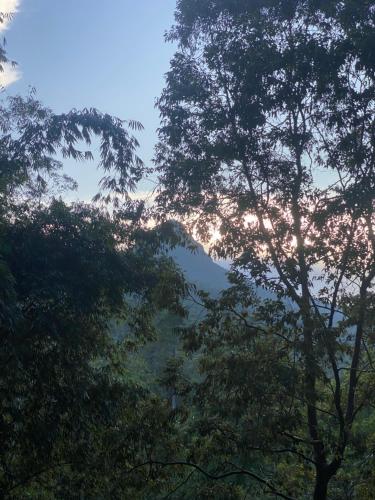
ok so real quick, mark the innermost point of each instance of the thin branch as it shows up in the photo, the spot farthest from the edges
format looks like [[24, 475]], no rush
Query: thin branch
[[180, 485], [238, 472]]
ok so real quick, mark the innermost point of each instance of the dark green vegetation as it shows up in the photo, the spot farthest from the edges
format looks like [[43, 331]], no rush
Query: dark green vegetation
[[70, 415], [117, 379], [268, 133]]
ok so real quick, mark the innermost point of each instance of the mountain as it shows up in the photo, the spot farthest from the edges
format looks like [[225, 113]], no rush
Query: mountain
[[200, 269]]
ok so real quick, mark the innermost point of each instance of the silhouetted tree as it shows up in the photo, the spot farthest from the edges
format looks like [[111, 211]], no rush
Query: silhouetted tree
[[268, 135], [72, 419]]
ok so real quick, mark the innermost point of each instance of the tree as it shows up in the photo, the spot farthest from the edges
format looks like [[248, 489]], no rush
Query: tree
[[267, 134], [70, 413]]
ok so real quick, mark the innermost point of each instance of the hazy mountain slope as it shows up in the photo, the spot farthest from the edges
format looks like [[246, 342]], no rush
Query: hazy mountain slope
[[200, 269]]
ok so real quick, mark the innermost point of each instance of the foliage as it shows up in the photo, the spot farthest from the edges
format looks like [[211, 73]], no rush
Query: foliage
[[70, 413], [267, 135]]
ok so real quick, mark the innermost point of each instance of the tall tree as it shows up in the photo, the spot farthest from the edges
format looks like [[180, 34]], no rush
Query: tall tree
[[268, 134], [69, 411]]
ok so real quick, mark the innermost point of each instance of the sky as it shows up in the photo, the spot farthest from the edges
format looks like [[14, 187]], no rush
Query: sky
[[79, 53], [88, 53]]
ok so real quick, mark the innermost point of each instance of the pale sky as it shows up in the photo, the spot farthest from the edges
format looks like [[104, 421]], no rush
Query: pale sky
[[77, 53], [88, 53]]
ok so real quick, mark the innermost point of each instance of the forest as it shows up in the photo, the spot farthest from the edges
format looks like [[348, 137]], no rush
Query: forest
[[217, 340]]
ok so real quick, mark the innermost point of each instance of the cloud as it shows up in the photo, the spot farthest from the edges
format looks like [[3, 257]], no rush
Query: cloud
[[8, 7], [9, 75]]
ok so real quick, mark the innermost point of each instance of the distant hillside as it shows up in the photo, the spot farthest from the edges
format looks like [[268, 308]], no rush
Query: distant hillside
[[147, 364], [200, 269]]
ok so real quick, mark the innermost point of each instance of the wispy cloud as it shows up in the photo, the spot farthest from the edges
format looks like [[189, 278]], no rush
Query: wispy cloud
[[8, 7], [10, 73]]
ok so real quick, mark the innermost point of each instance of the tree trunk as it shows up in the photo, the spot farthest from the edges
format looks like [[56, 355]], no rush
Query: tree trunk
[[321, 486]]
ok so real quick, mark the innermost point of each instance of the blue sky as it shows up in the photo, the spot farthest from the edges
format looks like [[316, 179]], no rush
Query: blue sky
[[85, 53], [88, 53]]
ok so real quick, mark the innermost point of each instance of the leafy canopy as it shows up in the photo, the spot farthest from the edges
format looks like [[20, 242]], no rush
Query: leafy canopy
[[70, 411], [267, 135]]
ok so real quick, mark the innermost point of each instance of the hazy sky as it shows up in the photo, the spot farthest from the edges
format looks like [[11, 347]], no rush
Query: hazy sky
[[89, 53]]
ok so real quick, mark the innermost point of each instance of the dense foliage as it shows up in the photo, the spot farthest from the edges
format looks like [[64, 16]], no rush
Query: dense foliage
[[267, 134], [70, 412], [267, 137]]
